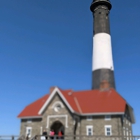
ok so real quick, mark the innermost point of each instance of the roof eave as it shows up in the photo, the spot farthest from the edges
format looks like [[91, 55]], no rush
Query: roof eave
[[30, 117], [101, 113]]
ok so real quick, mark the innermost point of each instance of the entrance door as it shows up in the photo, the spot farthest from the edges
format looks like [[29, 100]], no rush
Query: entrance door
[[58, 126]]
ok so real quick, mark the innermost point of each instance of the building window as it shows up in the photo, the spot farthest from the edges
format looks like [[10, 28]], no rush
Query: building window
[[108, 131], [124, 131], [130, 135], [28, 131], [127, 135], [57, 107], [89, 130], [107, 117], [89, 118], [29, 121]]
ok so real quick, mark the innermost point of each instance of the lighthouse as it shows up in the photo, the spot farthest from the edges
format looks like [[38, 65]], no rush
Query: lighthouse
[[102, 60]]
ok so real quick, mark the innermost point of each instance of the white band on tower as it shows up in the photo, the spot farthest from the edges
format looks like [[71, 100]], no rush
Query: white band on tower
[[102, 52]]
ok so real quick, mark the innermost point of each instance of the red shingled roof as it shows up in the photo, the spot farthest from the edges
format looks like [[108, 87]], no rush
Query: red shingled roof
[[32, 109], [68, 94], [82, 102], [96, 101]]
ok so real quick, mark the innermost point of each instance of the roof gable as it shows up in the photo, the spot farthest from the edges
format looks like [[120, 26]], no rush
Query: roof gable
[[54, 92]]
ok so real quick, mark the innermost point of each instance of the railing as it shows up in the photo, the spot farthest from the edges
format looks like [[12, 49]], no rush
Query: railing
[[84, 137], [11, 137], [70, 137]]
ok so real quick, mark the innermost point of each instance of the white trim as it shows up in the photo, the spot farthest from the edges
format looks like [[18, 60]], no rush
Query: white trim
[[57, 108], [41, 130], [124, 132], [57, 116], [77, 103], [55, 91], [87, 128], [29, 128], [127, 134], [57, 102], [108, 126]]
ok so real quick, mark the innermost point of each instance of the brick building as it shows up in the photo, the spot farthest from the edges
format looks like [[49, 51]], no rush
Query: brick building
[[91, 112]]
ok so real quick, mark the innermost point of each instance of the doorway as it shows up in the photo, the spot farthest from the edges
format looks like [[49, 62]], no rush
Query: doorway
[[58, 126]]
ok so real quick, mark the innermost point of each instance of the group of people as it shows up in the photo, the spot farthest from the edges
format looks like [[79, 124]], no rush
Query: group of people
[[52, 134]]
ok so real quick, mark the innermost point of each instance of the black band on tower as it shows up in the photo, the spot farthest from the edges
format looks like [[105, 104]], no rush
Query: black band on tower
[[100, 9], [102, 75], [101, 20]]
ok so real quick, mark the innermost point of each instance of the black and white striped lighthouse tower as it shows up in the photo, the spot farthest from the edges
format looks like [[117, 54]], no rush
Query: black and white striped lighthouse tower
[[102, 61]]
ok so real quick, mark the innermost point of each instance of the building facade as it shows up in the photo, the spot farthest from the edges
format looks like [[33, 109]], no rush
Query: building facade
[[99, 113]]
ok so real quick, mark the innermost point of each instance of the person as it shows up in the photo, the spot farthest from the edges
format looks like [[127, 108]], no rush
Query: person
[[27, 137], [35, 137], [59, 135], [45, 134], [52, 134]]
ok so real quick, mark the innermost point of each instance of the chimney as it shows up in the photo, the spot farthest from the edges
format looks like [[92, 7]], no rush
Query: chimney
[[52, 88], [104, 85]]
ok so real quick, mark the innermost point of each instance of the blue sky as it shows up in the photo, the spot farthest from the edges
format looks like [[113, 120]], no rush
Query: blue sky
[[49, 43]]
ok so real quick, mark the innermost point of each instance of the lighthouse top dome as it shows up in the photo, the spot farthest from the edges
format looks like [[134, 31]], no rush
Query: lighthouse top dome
[[101, 0], [96, 3]]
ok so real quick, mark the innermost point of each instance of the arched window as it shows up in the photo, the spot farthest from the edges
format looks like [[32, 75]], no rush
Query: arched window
[[57, 106]]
